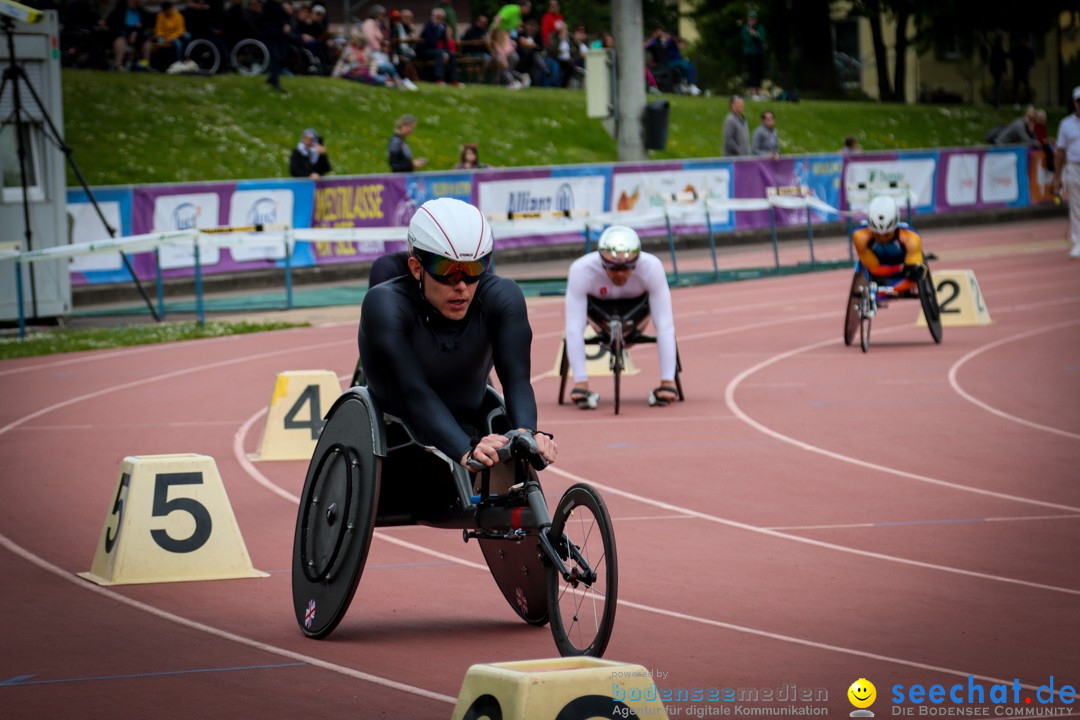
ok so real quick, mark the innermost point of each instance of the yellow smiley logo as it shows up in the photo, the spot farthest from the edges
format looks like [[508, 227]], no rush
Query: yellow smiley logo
[[862, 693]]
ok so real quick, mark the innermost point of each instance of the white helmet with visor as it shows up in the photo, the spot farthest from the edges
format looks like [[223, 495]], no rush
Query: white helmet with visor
[[451, 239]]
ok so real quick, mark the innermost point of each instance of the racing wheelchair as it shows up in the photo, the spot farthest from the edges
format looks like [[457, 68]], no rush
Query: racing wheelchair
[[618, 325], [867, 297], [369, 470]]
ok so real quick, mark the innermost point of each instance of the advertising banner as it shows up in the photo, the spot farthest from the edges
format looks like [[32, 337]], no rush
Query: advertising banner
[[958, 180], [948, 180], [914, 171], [1040, 179], [1000, 177], [817, 176], [86, 226], [500, 195], [660, 186], [367, 202]]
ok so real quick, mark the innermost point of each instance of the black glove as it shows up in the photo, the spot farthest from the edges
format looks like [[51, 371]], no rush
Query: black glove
[[915, 272]]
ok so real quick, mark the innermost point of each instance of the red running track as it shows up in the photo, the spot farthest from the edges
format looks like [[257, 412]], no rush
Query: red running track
[[810, 515]]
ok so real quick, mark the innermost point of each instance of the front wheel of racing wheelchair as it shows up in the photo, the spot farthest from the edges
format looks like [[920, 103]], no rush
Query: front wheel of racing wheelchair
[[862, 305], [369, 470], [618, 325]]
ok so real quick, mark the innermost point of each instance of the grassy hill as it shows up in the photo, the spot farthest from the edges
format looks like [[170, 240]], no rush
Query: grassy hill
[[143, 128]]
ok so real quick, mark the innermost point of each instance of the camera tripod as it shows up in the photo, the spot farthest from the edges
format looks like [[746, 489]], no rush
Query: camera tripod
[[15, 76]]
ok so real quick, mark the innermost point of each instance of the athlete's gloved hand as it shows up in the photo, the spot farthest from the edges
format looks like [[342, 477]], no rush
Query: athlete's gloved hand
[[915, 272]]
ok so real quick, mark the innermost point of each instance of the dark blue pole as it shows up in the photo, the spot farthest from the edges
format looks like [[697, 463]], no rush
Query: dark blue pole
[[712, 243], [810, 235], [19, 297], [671, 245], [288, 274], [160, 284], [775, 244]]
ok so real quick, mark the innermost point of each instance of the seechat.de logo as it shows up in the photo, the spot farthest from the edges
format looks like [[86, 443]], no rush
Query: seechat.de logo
[[862, 695]]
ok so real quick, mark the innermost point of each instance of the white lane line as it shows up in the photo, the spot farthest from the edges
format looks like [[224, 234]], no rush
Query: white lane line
[[804, 540], [217, 632], [262, 480], [589, 418], [158, 378], [106, 426], [180, 620], [818, 645], [729, 398], [238, 441], [107, 355], [954, 370], [902, 523], [757, 326], [238, 451]]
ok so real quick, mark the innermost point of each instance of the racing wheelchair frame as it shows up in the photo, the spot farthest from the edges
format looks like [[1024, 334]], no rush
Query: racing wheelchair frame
[[369, 470], [619, 325], [866, 297]]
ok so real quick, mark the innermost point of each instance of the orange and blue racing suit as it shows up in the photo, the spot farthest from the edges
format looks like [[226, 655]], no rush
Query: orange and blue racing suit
[[889, 261]]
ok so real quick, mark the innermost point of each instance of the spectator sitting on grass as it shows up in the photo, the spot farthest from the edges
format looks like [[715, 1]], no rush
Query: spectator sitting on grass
[[169, 28], [130, 25], [470, 158], [309, 157], [1020, 131], [435, 45]]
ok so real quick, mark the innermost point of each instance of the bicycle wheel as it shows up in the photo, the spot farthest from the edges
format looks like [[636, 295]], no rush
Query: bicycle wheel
[[583, 613], [336, 518], [250, 57], [931, 310], [205, 55], [851, 318]]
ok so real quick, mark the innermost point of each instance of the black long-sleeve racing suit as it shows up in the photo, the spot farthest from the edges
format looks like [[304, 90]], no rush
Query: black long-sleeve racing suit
[[432, 371]]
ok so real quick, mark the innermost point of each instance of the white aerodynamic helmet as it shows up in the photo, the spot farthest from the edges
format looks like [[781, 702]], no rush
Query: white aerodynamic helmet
[[449, 237], [882, 215], [619, 246]]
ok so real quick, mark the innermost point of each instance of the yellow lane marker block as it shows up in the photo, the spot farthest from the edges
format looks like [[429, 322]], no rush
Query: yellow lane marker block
[[572, 687], [598, 360], [295, 419], [169, 520], [960, 299]]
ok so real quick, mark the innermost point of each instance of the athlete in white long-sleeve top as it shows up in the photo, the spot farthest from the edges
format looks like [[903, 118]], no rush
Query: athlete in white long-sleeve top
[[619, 270]]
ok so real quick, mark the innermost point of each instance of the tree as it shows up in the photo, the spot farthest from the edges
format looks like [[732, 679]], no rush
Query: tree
[[795, 56], [962, 26]]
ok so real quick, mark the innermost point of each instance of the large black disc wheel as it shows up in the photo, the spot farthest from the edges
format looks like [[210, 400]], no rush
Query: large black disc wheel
[[336, 519], [930, 308], [851, 318], [582, 609]]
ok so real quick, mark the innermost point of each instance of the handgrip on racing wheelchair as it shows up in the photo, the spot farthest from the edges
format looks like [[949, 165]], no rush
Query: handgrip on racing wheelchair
[[521, 441]]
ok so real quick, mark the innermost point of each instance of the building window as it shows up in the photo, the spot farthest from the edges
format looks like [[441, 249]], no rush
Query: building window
[[10, 174]]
